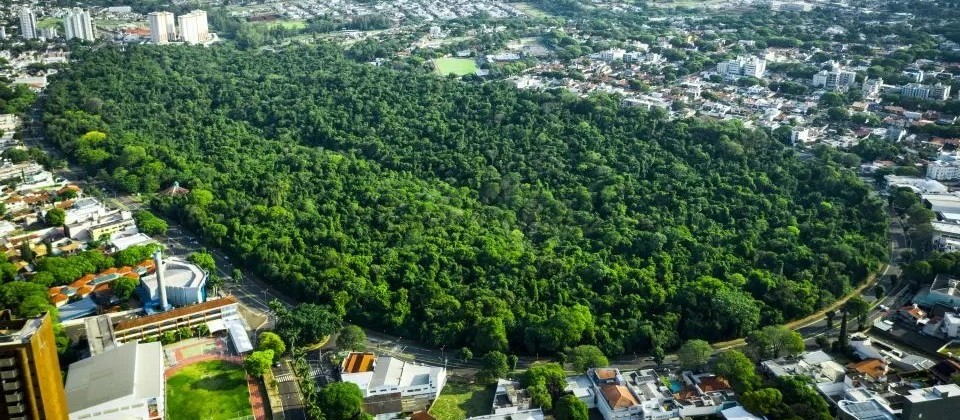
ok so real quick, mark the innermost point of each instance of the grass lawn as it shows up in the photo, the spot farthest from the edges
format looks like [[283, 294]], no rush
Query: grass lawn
[[952, 348], [208, 390], [459, 401], [457, 66], [286, 24]]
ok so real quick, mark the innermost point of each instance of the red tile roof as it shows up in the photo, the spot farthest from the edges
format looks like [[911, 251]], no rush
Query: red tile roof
[[713, 383], [618, 396], [175, 313]]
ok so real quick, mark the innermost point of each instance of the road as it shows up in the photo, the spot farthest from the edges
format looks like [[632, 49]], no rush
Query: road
[[289, 392]]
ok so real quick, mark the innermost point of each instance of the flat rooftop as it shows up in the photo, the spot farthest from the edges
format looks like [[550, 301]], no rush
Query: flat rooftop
[[177, 273], [18, 331]]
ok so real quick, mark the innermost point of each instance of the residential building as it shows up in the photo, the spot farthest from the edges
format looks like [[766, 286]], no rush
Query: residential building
[[193, 27], [944, 169], [800, 136], [3, 32], [48, 33], [163, 27], [871, 409], [871, 87], [123, 383], [510, 398], [582, 387], [835, 79], [28, 24], [937, 402], [938, 92], [946, 326], [742, 66], [615, 400], [77, 24], [917, 185], [30, 370], [530, 414], [816, 365], [392, 385], [912, 314]]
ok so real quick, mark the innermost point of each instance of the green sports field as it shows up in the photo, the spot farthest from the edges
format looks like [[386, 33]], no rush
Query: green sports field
[[457, 66], [208, 390]]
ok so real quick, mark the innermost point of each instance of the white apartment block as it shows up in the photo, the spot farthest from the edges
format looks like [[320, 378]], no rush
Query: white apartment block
[[871, 87], [163, 27], [77, 24], [835, 79], [28, 24], [936, 92], [193, 27], [742, 66], [941, 170]]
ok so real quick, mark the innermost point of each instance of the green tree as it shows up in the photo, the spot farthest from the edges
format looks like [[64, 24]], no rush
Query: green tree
[[544, 383], [341, 400], [772, 342], [586, 356], [352, 338], [258, 362], [272, 341], [694, 354], [203, 260], [859, 308], [762, 402], [150, 224], [512, 361], [569, 407], [55, 217], [307, 323], [739, 369], [124, 287], [493, 366]]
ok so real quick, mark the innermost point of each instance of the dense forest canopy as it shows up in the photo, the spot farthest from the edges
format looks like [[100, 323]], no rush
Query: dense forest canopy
[[472, 213]]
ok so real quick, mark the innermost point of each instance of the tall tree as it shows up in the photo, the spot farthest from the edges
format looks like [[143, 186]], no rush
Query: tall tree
[[694, 354], [352, 338], [341, 400], [587, 356]]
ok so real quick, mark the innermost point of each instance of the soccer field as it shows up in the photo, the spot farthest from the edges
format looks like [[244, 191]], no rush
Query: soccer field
[[208, 390], [457, 66]]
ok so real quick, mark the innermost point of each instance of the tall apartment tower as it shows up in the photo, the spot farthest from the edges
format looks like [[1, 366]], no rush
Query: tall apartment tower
[[30, 371], [193, 27], [77, 24], [163, 27], [28, 24]]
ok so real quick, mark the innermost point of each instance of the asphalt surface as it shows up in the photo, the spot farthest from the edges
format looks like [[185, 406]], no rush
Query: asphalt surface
[[289, 392]]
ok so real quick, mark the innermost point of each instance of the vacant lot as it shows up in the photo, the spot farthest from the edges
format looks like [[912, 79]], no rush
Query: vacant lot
[[459, 401], [208, 390], [457, 66]]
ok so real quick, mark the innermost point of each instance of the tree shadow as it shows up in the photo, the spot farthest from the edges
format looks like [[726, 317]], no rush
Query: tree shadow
[[218, 382]]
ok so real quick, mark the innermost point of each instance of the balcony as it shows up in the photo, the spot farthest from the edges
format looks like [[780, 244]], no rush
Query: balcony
[[9, 374], [16, 409], [11, 385], [14, 398], [7, 362]]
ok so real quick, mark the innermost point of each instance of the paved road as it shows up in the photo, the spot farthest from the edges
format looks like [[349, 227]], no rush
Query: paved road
[[289, 392]]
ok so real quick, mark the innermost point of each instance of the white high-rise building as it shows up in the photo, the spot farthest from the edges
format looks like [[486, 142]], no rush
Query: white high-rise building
[[163, 27], [742, 66], [193, 27], [3, 32], [77, 24], [28, 24]]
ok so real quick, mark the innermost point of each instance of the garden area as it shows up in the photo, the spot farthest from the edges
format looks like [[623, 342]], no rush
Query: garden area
[[459, 401], [208, 390]]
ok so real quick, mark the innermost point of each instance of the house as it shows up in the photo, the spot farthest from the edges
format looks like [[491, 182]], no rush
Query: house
[[510, 398], [945, 289], [582, 388], [392, 386], [615, 400], [912, 314], [875, 368], [126, 382]]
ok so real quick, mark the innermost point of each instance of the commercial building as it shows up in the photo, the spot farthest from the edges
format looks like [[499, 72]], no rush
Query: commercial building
[[163, 27], [123, 383], [219, 315], [77, 24], [392, 385], [28, 24], [30, 370], [835, 79], [193, 27], [945, 290], [937, 402], [742, 66], [946, 238]]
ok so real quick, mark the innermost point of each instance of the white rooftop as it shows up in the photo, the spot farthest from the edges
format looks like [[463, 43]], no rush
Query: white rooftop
[[738, 413], [396, 372], [933, 393], [133, 370], [177, 273]]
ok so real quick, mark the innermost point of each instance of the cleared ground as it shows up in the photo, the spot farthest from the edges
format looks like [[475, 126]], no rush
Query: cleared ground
[[208, 390], [286, 24], [457, 66], [459, 401]]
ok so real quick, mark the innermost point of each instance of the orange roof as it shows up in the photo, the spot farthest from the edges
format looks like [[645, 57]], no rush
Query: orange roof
[[132, 275], [55, 290], [873, 367], [111, 270], [175, 313], [58, 298], [421, 415], [102, 287], [618, 396], [358, 362], [65, 204], [70, 187], [713, 383], [605, 373], [84, 291], [914, 311]]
